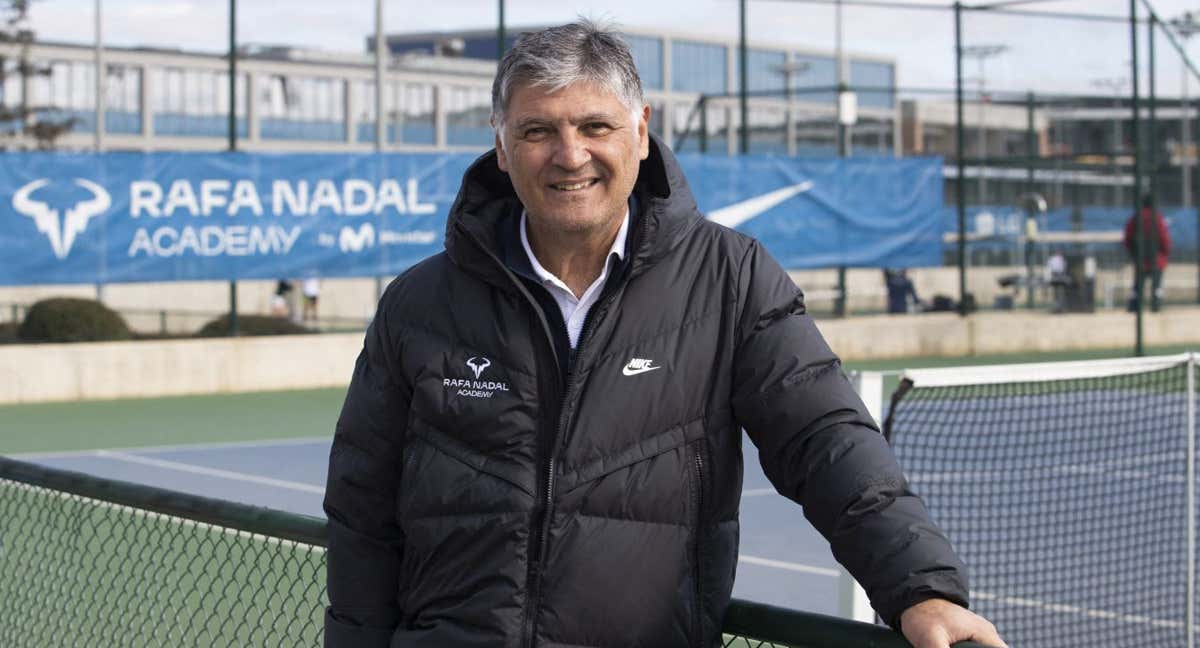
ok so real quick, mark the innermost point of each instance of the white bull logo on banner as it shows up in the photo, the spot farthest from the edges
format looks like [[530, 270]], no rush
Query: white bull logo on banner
[[61, 233]]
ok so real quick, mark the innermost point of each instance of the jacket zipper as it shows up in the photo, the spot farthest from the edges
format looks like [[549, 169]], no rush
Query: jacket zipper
[[540, 527], [698, 464], [533, 570], [538, 547]]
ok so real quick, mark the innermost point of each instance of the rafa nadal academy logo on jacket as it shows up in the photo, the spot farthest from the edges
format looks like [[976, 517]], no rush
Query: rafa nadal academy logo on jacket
[[61, 231], [477, 388]]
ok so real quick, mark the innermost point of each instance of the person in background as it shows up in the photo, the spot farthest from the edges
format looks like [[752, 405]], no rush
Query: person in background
[[1156, 247], [899, 289], [311, 288], [279, 301], [1058, 280]]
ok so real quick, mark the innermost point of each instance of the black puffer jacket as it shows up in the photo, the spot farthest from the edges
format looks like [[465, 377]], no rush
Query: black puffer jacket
[[477, 497]]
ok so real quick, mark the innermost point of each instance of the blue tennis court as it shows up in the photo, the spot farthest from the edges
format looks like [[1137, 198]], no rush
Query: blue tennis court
[[783, 560]]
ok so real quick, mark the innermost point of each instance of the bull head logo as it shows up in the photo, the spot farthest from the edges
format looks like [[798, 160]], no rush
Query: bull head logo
[[478, 366], [62, 235]]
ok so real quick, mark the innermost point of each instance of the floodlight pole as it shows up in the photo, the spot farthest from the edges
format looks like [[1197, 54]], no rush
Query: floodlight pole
[[500, 30], [743, 82], [101, 74], [381, 123], [960, 194], [843, 142], [1152, 126], [1137, 177], [101, 78], [233, 304]]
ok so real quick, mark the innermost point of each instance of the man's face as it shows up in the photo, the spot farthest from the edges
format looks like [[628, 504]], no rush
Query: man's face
[[572, 155]]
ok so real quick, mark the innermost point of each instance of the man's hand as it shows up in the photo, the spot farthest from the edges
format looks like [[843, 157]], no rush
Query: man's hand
[[937, 623]]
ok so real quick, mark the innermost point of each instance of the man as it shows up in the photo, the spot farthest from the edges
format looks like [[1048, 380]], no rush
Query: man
[[1154, 254], [540, 446], [899, 288]]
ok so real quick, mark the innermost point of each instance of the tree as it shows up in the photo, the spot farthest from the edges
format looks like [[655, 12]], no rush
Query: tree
[[23, 124]]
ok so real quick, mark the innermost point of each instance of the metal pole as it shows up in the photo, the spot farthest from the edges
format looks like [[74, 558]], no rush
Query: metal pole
[[1152, 126], [982, 163], [743, 82], [380, 57], [959, 152], [500, 31], [101, 73], [1137, 176], [1190, 615], [381, 123], [1030, 138], [843, 140], [1185, 136], [233, 304], [101, 78], [703, 124], [1197, 149], [1153, 182]]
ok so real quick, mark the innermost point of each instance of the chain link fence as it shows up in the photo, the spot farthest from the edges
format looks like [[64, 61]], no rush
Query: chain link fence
[[91, 562]]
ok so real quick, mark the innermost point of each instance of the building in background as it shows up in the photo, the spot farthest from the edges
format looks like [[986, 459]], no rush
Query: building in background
[[438, 96]]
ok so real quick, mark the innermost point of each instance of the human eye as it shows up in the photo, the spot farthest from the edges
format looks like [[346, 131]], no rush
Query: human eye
[[597, 128], [534, 132]]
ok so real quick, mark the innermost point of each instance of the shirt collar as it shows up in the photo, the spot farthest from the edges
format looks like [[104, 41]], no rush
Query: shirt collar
[[544, 275]]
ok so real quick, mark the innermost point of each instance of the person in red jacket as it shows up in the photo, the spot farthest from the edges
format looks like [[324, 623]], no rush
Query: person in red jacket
[[1156, 248]]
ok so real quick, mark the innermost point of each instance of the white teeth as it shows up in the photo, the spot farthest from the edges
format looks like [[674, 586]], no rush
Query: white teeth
[[573, 187]]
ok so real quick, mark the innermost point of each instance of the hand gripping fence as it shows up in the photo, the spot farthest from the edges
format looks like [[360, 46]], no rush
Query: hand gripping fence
[[91, 562]]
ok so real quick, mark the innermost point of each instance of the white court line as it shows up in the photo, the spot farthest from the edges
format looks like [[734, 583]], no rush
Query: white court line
[[1082, 611], [758, 492], [210, 472], [220, 445], [789, 566]]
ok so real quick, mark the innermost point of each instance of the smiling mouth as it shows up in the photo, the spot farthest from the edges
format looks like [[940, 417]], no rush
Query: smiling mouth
[[568, 187]]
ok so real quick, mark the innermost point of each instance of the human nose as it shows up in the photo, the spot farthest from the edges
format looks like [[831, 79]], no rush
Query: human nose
[[572, 151]]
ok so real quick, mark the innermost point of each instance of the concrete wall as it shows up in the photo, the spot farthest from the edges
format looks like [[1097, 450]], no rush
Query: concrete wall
[[353, 300], [63, 372], [990, 333]]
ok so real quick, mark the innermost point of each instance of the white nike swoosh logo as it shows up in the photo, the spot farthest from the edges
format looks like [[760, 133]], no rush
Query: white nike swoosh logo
[[739, 213], [633, 372]]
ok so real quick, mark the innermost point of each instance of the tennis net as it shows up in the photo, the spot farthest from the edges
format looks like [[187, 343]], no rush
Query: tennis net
[[92, 562], [1068, 489]]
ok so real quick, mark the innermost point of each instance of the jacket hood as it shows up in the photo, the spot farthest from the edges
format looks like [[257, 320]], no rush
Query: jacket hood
[[668, 210]]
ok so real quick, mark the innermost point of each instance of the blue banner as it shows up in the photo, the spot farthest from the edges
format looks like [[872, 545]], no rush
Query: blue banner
[[124, 217]]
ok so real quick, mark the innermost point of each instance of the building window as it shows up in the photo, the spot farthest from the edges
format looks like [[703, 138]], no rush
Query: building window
[[870, 77], [648, 56], [698, 67], [468, 117], [814, 79]]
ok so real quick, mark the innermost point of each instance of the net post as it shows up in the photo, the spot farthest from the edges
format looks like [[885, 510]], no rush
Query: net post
[[1190, 614], [852, 598]]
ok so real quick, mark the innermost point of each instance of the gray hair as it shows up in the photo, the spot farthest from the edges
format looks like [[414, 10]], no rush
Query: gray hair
[[557, 57]]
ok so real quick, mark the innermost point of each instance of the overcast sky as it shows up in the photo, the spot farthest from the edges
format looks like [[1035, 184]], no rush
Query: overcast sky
[[1049, 55]]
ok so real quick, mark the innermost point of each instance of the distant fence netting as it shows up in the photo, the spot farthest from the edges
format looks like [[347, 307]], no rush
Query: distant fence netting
[[1067, 488]]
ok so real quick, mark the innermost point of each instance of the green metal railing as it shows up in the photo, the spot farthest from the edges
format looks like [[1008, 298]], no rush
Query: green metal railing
[[94, 562]]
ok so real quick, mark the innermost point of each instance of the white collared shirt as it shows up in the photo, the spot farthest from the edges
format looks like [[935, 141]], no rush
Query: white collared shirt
[[574, 310]]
